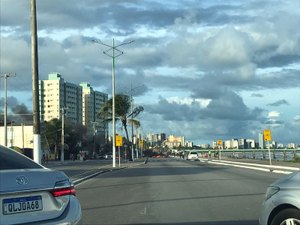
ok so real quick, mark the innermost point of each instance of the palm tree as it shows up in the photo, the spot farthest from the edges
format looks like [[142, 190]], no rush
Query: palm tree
[[122, 111]]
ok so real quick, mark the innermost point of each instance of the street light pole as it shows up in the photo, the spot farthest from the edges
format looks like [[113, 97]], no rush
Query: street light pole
[[5, 76], [113, 52]]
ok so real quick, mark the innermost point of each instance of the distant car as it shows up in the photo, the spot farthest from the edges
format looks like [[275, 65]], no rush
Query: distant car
[[192, 156], [282, 202], [33, 194], [107, 157]]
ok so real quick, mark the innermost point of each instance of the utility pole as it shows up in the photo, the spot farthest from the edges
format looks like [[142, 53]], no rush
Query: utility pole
[[5, 76], [132, 135], [94, 138], [113, 52], [37, 152], [62, 152]]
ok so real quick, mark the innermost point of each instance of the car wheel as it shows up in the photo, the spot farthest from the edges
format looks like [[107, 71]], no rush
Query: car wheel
[[287, 217]]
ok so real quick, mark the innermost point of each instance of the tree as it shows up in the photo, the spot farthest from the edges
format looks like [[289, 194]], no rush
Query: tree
[[122, 111], [52, 132], [74, 134]]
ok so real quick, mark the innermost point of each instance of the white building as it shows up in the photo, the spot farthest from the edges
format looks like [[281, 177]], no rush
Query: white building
[[91, 103], [173, 141], [80, 102], [261, 141], [20, 136], [56, 94], [231, 144], [291, 145], [250, 143]]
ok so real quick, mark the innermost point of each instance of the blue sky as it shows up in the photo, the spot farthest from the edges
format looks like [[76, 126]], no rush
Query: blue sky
[[205, 70]]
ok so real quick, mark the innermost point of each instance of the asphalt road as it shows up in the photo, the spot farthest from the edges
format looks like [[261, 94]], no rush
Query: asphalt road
[[173, 191]]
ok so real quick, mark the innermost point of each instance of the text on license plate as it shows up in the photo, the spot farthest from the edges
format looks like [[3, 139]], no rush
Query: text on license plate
[[23, 204]]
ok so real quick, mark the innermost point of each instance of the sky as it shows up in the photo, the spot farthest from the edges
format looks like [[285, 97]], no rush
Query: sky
[[205, 70]]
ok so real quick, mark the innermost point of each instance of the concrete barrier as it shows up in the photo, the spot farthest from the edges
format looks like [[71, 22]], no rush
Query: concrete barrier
[[256, 166]]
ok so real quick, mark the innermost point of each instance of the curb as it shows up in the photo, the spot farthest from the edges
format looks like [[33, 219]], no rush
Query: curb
[[80, 180]]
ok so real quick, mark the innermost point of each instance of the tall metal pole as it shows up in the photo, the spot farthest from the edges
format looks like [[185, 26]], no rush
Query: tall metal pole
[[37, 153], [113, 55], [113, 85], [5, 76]]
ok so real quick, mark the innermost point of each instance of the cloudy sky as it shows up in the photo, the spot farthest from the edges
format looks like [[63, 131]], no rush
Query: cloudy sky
[[206, 70]]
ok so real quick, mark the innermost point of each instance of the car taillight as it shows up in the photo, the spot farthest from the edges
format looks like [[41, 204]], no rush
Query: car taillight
[[62, 188], [63, 191]]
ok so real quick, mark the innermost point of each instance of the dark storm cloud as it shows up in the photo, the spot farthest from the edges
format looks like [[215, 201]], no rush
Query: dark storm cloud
[[11, 102], [228, 106], [21, 113], [279, 103], [17, 112], [175, 112]]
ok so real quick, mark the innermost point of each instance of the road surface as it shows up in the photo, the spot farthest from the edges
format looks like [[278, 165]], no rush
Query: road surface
[[173, 191]]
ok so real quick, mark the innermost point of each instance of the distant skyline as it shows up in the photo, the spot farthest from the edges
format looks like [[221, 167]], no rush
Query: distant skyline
[[205, 70]]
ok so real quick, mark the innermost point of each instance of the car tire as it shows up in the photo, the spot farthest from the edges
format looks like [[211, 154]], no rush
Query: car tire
[[287, 214]]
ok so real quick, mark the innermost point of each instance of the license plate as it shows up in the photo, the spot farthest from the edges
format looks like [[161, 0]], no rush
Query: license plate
[[21, 205]]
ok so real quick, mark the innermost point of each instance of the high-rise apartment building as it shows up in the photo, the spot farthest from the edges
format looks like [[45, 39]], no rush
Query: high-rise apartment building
[[81, 102], [91, 103], [56, 94], [261, 141]]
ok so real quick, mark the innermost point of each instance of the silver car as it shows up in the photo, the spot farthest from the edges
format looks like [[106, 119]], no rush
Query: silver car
[[282, 202], [33, 194]]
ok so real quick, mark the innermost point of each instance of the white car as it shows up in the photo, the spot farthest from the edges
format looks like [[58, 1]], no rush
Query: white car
[[33, 194], [192, 155], [282, 202]]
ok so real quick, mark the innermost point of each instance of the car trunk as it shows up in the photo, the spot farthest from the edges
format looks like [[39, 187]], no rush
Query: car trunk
[[30, 195]]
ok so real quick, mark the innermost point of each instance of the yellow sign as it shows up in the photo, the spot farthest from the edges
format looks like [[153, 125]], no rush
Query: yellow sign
[[220, 142], [141, 143], [267, 135], [119, 140]]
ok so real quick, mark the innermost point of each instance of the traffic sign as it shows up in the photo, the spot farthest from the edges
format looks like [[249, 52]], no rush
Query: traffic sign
[[267, 135], [220, 142], [141, 143], [119, 140]]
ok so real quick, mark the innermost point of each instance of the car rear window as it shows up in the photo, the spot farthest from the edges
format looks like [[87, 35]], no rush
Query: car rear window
[[10, 159]]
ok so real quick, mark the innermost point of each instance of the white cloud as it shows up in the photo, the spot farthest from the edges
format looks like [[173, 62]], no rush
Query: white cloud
[[273, 114], [202, 103]]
